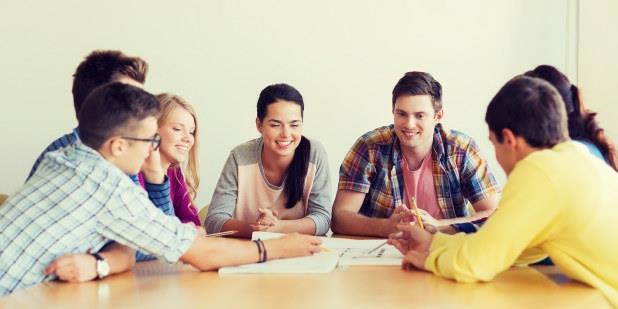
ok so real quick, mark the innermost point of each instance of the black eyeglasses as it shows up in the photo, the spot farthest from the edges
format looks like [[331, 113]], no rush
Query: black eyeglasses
[[155, 141]]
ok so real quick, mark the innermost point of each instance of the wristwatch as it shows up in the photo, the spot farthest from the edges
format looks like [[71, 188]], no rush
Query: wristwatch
[[102, 266]]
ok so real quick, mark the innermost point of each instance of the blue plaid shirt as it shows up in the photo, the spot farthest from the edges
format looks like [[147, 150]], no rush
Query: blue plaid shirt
[[460, 173], [159, 194], [76, 202]]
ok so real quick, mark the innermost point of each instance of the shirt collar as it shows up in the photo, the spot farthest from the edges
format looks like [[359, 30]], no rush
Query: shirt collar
[[438, 145]]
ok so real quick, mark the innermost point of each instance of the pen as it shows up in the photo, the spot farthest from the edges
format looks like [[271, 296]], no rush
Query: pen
[[221, 234]]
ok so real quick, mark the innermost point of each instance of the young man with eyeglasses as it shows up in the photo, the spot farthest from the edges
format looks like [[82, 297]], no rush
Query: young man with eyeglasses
[[80, 199], [415, 158], [98, 68]]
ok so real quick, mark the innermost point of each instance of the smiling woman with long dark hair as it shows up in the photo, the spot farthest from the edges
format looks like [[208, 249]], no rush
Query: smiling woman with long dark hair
[[278, 182]]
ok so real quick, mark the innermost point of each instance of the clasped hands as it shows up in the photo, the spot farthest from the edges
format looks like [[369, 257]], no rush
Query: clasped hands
[[267, 220]]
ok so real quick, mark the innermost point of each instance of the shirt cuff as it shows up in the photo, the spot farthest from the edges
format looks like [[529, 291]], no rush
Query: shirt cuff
[[438, 244], [159, 194], [353, 186], [321, 225], [466, 227], [185, 236]]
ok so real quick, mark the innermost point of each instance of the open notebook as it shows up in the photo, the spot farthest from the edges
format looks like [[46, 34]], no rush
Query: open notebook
[[341, 251]]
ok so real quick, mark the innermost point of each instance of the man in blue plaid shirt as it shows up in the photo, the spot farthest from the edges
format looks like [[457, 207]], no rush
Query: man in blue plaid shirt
[[79, 199], [415, 159]]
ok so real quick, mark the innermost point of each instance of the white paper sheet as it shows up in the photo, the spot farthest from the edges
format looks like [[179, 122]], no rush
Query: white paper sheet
[[353, 251], [324, 262]]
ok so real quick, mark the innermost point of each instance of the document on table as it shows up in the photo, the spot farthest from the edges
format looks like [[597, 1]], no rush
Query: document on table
[[319, 263], [356, 252], [353, 251], [323, 262]]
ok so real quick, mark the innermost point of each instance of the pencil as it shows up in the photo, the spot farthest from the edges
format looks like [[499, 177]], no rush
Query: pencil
[[221, 234], [416, 214], [397, 235]]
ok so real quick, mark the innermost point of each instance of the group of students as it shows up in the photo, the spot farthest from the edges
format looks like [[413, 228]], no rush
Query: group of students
[[79, 217]]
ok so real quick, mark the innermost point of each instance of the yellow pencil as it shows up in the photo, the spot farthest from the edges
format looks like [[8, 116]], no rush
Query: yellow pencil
[[418, 216]]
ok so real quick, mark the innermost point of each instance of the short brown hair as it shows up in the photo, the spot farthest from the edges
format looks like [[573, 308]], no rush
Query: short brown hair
[[113, 109], [101, 67], [419, 83], [530, 107]]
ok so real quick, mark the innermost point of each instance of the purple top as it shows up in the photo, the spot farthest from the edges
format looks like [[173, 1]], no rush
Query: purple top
[[183, 207]]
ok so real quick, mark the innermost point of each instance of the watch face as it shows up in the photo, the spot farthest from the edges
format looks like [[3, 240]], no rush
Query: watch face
[[102, 268]]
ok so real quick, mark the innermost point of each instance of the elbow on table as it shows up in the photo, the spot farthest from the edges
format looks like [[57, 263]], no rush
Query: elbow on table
[[203, 265]]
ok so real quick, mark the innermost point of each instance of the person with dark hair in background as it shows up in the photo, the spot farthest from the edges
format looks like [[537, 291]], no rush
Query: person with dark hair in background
[[559, 200], [279, 182], [416, 158], [98, 68], [80, 200], [583, 126]]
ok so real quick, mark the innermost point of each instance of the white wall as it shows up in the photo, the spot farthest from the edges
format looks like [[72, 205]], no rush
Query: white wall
[[344, 56], [598, 60]]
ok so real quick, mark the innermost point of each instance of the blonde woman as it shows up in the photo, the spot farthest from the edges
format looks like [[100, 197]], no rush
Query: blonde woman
[[178, 154]]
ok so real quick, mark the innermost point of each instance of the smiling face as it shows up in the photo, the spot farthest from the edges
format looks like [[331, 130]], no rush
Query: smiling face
[[281, 128], [414, 121], [177, 136]]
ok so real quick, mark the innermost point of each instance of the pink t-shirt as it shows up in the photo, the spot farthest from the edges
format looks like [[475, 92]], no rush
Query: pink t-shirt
[[419, 184]]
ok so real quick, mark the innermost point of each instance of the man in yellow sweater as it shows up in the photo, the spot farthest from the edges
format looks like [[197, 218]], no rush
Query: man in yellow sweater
[[559, 201]]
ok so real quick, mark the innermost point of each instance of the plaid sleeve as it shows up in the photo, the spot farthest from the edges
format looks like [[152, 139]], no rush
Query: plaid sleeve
[[130, 219], [61, 142], [477, 181], [356, 170]]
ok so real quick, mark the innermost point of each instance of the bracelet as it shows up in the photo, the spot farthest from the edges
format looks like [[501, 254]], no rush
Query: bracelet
[[260, 247], [259, 250], [265, 254]]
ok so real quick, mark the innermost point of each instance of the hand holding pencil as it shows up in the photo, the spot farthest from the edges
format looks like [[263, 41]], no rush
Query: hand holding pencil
[[402, 214], [413, 242]]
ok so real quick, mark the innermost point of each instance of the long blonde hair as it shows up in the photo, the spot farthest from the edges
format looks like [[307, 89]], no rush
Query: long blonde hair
[[170, 102]]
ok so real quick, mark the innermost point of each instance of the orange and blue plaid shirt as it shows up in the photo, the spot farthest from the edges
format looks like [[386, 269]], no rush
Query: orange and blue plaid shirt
[[460, 173]]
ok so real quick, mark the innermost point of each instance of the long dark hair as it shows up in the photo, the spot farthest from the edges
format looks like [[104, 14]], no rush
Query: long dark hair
[[295, 180], [582, 121]]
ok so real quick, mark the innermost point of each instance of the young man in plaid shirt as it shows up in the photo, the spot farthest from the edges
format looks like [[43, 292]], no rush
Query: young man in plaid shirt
[[414, 158], [98, 68]]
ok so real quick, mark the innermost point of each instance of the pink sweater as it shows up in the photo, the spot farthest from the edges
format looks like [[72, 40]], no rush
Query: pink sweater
[[179, 194]]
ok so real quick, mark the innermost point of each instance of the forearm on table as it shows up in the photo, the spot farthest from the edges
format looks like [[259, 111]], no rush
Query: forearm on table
[[120, 258], [349, 223]]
